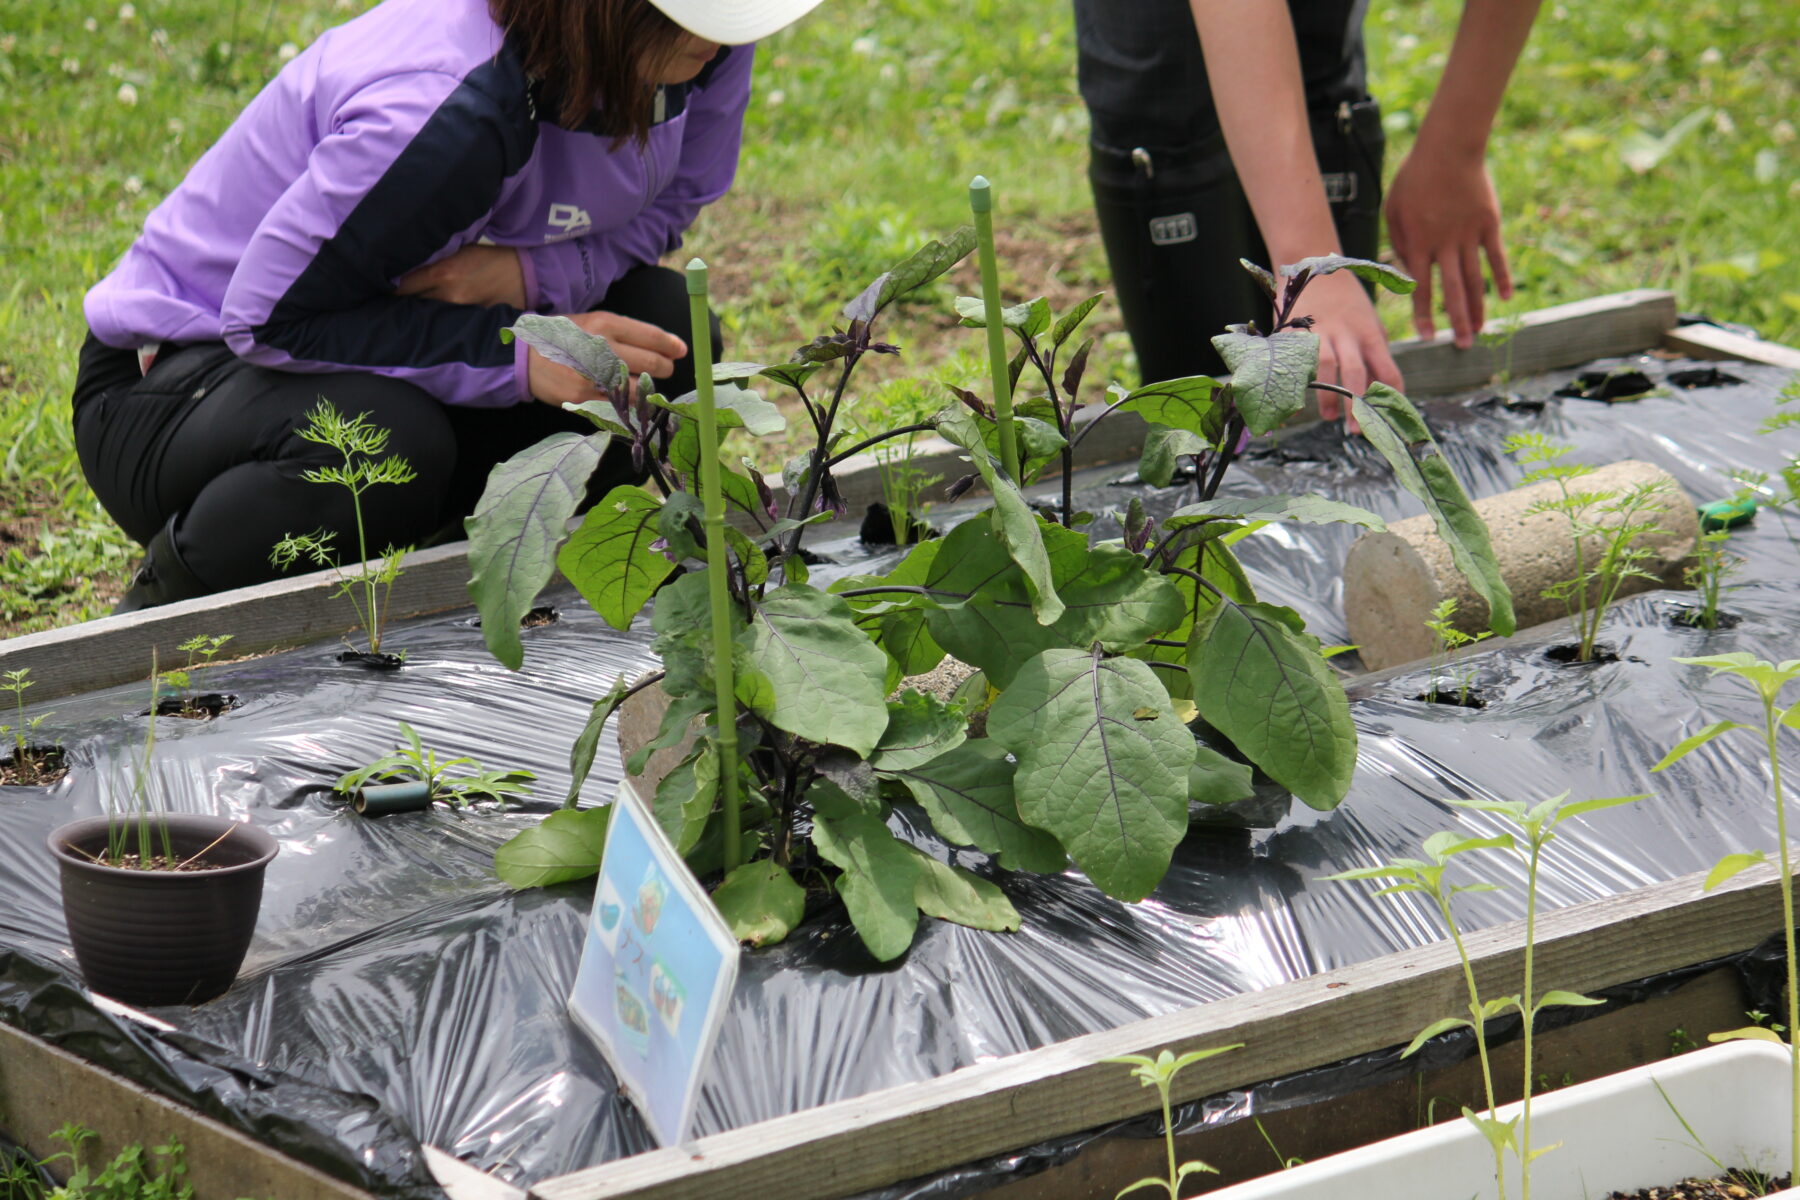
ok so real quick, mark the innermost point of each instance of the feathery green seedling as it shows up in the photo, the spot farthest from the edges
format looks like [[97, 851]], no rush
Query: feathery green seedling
[[1446, 637], [1767, 680], [415, 761], [360, 443], [16, 682], [1159, 1073], [1605, 527]]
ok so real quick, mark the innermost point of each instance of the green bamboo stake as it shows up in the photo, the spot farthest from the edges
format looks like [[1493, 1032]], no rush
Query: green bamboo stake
[[981, 201], [718, 562]]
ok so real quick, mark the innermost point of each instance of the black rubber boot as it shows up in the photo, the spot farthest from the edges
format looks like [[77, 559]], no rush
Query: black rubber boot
[[162, 578]]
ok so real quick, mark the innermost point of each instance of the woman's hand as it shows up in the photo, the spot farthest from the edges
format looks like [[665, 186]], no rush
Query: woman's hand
[[1442, 214], [478, 275], [1353, 349], [644, 347]]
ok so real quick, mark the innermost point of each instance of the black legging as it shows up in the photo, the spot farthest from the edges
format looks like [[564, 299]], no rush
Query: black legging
[[206, 444]]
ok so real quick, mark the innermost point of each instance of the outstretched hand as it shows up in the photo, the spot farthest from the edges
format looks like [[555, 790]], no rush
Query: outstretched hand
[[1353, 349], [646, 349], [1442, 214]]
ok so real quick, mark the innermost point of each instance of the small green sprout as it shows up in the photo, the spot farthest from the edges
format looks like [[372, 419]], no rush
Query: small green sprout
[[1159, 1073], [16, 682], [1447, 639]]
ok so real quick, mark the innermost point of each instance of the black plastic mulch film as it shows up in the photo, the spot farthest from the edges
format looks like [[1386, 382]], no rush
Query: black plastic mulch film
[[396, 993]]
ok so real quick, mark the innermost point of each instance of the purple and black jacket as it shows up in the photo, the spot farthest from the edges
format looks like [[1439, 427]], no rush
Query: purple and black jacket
[[390, 143]]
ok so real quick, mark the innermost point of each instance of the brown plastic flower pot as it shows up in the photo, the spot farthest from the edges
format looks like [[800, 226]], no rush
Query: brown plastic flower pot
[[153, 938]]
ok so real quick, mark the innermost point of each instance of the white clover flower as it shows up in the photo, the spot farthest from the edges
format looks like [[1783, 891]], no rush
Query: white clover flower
[[127, 12], [159, 38], [775, 97], [863, 45], [1711, 56], [127, 95], [177, 126], [71, 66], [7, 43], [92, 25], [133, 184], [287, 51]]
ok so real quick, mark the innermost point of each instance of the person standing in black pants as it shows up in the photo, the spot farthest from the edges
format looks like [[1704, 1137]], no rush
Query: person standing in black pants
[[1228, 129]]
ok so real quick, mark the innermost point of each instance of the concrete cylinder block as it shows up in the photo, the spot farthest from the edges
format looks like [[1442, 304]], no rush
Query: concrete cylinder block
[[1394, 579]]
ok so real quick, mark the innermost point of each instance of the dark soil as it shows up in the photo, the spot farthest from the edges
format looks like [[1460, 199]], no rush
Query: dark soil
[[1453, 696], [1690, 618], [40, 766], [375, 662], [203, 707], [1702, 377], [1569, 653], [1607, 385], [133, 862], [1734, 1185], [537, 618]]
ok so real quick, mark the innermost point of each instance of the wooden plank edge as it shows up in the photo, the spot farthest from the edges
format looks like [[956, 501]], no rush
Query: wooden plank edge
[[460, 1181], [268, 616], [41, 1086], [1711, 342], [915, 1129]]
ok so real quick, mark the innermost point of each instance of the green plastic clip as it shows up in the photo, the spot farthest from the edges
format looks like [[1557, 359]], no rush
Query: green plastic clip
[[1727, 514]]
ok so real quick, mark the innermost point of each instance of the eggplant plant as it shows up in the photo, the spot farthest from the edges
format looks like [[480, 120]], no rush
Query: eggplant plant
[[1095, 658]]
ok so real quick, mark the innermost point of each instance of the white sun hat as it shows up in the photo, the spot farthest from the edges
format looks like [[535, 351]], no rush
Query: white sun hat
[[734, 22]]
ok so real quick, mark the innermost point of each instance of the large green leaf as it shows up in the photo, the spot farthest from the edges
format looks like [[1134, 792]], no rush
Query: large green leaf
[[925, 265], [1027, 320], [1369, 272], [684, 799], [953, 894], [1269, 375], [1303, 510], [581, 753], [684, 456], [565, 845], [879, 883], [1102, 764], [610, 559], [1163, 449], [919, 729], [760, 902], [1108, 596], [1018, 527], [1037, 442], [1215, 779], [521, 519], [1194, 404], [735, 407], [1070, 321], [968, 793], [805, 667], [1259, 680], [567, 344], [896, 620], [682, 620], [1393, 427]]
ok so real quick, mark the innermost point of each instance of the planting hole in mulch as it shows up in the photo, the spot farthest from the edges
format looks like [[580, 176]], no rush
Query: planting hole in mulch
[[1687, 617], [203, 707], [1514, 402], [1455, 697], [1702, 377], [375, 662], [40, 766], [1569, 654], [537, 618], [878, 528], [1625, 384], [1733, 1185]]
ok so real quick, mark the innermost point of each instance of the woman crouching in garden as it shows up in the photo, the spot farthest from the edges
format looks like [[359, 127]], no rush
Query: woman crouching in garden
[[398, 195]]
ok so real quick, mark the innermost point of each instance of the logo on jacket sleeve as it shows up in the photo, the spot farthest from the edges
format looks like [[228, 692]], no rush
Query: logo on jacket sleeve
[[567, 221]]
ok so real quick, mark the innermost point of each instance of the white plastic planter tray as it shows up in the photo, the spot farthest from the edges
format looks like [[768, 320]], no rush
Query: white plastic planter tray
[[1617, 1133]]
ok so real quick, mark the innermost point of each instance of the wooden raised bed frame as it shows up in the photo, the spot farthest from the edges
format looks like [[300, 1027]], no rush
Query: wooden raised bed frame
[[992, 1108]]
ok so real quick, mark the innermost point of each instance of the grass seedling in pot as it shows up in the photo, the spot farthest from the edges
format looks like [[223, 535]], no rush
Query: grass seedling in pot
[[1767, 680], [361, 444], [1159, 1073]]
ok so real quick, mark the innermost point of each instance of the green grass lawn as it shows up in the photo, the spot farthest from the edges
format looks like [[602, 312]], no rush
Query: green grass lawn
[[1642, 145]]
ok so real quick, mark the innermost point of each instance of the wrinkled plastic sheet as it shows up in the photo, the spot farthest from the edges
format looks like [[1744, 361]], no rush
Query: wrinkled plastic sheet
[[396, 993]]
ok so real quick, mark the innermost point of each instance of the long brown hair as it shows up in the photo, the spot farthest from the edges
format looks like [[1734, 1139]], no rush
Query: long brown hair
[[593, 54]]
